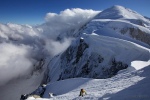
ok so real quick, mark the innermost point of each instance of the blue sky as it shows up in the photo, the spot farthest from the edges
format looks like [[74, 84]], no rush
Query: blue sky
[[33, 11]]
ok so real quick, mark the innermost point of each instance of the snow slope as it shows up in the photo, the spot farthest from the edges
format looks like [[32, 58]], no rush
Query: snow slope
[[128, 85]]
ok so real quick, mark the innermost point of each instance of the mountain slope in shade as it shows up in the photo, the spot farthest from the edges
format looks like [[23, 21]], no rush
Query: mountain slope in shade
[[94, 56]]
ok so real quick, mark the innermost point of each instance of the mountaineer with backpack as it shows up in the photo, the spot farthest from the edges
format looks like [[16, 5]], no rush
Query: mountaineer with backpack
[[82, 92], [23, 97]]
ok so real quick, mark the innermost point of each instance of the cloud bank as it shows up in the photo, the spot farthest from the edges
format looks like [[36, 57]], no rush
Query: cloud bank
[[55, 47], [14, 61], [23, 45], [66, 21]]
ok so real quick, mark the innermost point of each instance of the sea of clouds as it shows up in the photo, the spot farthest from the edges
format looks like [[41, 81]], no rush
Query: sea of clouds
[[21, 46]]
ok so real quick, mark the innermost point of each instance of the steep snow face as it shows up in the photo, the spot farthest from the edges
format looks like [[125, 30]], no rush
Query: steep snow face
[[95, 57]]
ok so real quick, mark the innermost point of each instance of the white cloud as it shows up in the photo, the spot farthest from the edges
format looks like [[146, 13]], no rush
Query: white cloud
[[14, 61], [56, 47], [69, 19], [71, 15], [17, 32], [22, 45]]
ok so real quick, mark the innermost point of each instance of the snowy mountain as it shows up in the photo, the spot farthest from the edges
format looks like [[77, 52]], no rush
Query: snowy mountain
[[114, 41], [122, 23], [104, 46], [104, 52], [94, 56]]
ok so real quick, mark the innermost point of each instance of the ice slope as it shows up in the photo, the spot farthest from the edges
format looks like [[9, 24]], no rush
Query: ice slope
[[92, 56], [128, 85]]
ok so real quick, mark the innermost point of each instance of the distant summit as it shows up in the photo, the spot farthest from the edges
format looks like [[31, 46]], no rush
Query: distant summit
[[116, 12]]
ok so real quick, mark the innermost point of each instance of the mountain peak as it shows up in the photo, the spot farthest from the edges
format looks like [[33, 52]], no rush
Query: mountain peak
[[117, 7], [117, 12]]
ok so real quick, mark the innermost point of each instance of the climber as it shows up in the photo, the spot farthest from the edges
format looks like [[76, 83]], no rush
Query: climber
[[23, 97], [82, 92], [39, 91], [42, 90]]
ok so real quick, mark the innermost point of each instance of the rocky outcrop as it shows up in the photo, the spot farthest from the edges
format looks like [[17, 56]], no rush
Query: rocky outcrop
[[76, 61], [137, 34]]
